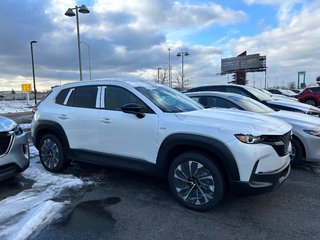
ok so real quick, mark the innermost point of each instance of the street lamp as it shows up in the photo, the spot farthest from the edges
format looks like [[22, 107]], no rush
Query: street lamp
[[182, 54], [33, 75], [88, 57], [158, 74], [169, 68], [70, 13]]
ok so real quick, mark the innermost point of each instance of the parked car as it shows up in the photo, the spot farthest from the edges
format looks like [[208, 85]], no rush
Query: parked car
[[151, 128], [278, 96], [256, 94], [310, 95], [14, 149], [284, 92], [297, 91], [306, 129]]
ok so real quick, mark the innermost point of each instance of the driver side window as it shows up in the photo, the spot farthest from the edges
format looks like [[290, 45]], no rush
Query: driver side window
[[116, 97]]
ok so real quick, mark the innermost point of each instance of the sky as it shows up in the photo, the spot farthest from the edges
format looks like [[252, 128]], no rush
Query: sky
[[130, 39]]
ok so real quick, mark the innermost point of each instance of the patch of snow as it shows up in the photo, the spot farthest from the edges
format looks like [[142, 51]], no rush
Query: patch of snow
[[15, 106], [25, 125], [32, 209]]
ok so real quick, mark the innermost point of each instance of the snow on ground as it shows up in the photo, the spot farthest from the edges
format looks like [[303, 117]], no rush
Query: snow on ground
[[15, 106], [32, 209]]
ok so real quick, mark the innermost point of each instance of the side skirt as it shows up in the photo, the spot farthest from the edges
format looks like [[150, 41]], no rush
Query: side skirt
[[110, 160]]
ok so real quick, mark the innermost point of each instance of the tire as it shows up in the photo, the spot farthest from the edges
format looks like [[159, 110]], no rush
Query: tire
[[51, 153], [297, 153], [196, 181], [310, 102]]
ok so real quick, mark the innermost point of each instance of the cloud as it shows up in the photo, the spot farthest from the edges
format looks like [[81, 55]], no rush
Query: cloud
[[126, 36], [289, 48], [131, 38], [158, 14], [286, 8]]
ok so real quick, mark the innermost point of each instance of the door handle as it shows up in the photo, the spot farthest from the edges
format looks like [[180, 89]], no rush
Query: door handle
[[63, 116], [106, 120]]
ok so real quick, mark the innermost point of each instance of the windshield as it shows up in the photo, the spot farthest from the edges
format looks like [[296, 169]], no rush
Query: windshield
[[259, 94], [266, 92], [251, 105], [167, 99]]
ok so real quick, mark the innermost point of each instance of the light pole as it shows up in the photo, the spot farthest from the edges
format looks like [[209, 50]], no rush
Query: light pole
[[70, 13], [169, 67], [88, 57], [182, 54], [33, 75], [158, 74]]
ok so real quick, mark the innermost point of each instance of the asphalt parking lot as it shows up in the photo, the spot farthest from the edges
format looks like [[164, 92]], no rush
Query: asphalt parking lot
[[125, 205]]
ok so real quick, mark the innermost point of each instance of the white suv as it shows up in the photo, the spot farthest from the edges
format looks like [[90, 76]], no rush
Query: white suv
[[154, 129]]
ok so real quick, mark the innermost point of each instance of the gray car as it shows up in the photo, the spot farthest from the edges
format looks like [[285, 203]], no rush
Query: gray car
[[256, 94], [305, 128], [14, 149]]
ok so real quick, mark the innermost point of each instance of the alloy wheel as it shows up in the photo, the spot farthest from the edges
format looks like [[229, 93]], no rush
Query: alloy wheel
[[194, 183], [49, 152]]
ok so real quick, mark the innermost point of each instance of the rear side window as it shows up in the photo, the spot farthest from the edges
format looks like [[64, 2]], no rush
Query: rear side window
[[84, 97], [238, 91], [220, 102], [316, 90], [208, 88], [62, 96]]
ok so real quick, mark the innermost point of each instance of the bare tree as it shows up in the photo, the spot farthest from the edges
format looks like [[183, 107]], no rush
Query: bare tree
[[177, 81], [291, 85], [163, 77]]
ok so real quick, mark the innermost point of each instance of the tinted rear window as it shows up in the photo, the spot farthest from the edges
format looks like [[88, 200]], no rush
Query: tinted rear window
[[62, 96], [84, 97]]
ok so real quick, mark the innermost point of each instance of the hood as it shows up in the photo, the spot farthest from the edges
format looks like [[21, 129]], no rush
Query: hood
[[294, 104], [297, 119], [6, 124], [237, 121], [282, 97]]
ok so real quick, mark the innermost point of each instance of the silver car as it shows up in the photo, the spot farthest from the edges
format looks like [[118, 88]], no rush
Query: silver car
[[305, 128], [14, 149]]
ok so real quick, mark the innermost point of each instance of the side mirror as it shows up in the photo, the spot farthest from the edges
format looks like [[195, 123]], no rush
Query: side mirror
[[133, 108]]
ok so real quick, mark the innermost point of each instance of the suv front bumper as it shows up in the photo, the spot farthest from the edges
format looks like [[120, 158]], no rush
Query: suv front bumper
[[16, 159], [261, 182]]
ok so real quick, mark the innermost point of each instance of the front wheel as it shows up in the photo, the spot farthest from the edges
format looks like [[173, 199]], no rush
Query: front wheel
[[310, 102], [51, 153], [296, 154], [196, 181]]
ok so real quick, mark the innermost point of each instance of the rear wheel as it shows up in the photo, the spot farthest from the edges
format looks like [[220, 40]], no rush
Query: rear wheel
[[310, 102], [196, 181], [51, 153], [296, 154]]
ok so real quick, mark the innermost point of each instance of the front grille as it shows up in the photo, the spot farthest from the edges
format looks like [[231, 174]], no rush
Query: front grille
[[5, 142], [280, 143]]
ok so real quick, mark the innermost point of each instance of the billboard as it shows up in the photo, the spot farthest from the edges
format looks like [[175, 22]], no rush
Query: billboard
[[248, 63]]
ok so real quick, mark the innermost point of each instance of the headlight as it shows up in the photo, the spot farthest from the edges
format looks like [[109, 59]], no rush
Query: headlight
[[248, 138], [313, 132], [16, 131]]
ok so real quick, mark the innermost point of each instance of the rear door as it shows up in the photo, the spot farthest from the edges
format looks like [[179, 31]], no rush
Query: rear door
[[79, 117]]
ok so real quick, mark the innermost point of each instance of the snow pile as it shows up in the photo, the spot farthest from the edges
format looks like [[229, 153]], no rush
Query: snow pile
[[32, 209], [15, 106]]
